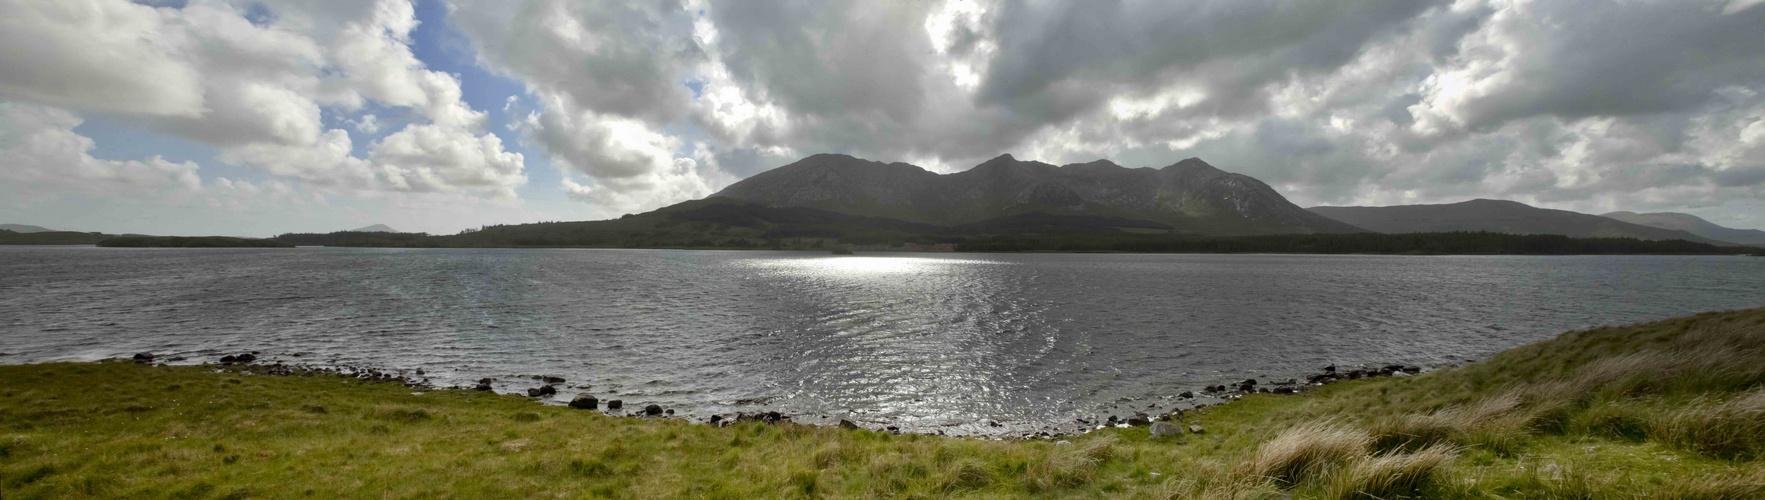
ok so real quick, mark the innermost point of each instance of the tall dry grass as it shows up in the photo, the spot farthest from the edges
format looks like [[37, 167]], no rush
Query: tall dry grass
[[1393, 475], [1308, 451]]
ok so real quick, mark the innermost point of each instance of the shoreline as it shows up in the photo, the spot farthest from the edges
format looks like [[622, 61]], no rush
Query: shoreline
[[1664, 409], [548, 393]]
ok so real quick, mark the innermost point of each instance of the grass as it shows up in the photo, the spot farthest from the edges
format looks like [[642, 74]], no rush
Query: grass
[[1672, 410]]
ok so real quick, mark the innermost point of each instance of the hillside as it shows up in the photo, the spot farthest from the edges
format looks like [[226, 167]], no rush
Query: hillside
[[1691, 224], [51, 238], [1665, 410], [24, 228], [191, 242], [376, 228], [1498, 216], [1189, 197]]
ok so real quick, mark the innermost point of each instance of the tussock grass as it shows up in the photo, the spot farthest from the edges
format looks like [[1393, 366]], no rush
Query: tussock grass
[[1307, 452], [1672, 410], [1395, 475]]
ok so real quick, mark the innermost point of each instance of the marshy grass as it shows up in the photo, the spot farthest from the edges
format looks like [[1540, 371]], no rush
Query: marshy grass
[[1671, 409]]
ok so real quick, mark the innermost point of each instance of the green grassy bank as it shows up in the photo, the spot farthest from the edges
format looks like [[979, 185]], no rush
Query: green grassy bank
[[1673, 409]]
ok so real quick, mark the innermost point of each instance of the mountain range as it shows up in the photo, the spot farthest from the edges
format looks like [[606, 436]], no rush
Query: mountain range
[[1691, 224], [1187, 197], [1499, 216]]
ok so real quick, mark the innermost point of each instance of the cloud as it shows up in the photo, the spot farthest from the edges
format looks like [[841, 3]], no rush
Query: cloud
[[46, 159], [258, 86]]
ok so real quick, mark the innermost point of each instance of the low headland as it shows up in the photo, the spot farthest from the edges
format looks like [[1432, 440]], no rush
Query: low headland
[[192, 242], [1670, 409]]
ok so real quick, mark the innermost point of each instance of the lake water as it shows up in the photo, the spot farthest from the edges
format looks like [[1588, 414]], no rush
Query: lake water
[[927, 342]]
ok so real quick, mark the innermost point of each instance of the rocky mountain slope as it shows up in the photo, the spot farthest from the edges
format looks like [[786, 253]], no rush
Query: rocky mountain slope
[[1498, 216], [1186, 197], [1691, 224]]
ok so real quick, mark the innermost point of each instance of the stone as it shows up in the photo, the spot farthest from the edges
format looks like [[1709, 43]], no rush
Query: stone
[[229, 359], [587, 402], [1139, 420], [716, 419], [1401, 374], [547, 390], [652, 410], [1063, 442], [615, 404], [1412, 369], [247, 357], [483, 385], [1165, 429], [554, 380], [848, 425], [1196, 429], [1330, 369], [533, 393], [669, 412], [1186, 395], [143, 357]]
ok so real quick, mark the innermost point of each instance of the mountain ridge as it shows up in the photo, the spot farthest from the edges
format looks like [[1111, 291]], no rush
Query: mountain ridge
[[1190, 196], [1691, 224], [1502, 216]]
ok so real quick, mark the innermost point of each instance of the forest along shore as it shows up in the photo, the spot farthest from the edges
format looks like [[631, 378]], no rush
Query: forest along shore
[[1669, 409]]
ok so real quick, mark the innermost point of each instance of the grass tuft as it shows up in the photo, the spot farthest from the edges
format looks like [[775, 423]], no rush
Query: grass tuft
[[1307, 451]]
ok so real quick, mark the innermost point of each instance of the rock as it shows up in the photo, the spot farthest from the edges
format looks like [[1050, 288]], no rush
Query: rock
[[652, 410], [1164, 429], [1330, 369], [1063, 442], [229, 359], [774, 417], [894, 429], [587, 402], [1139, 420], [1356, 374], [1412, 369], [716, 419], [1196, 429], [1247, 385], [615, 404], [1186, 395], [547, 390], [419, 371], [1401, 374], [1263, 390], [533, 393], [143, 357], [483, 385], [554, 380], [669, 412], [247, 357], [1291, 381], [848, 425]]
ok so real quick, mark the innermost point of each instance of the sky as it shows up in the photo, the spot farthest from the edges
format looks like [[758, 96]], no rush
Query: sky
[[260, 117]]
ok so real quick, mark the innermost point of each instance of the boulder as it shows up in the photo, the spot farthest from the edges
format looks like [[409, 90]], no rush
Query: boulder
[[1196, 429], [652, 410], [1165, 429], [847, 424], [143, 357], [1139, 420], [1412, 369], [554, 380], [533, 393], [1186, 395], [615, 404], [1330, 369], [587, 402], [229, 359], [483, 385], [247, 357], [547, 390]]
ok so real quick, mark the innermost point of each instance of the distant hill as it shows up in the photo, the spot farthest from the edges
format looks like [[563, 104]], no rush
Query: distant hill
[[51, 238], [1498, 216], [23, 228], [377, 228], [1691, 224], [187, 241], [1187, 197]]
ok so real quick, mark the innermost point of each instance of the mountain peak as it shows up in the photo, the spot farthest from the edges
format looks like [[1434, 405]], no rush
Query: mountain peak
[[377, 228]]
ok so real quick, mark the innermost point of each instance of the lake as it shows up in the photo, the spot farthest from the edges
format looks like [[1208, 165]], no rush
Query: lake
[[926, 342]]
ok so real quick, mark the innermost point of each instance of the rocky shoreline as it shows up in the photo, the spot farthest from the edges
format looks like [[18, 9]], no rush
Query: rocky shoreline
[[1160, 425]]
